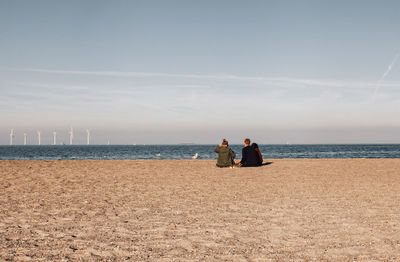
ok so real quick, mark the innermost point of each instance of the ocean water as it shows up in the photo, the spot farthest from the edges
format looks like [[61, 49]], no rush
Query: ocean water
[[108, 152]]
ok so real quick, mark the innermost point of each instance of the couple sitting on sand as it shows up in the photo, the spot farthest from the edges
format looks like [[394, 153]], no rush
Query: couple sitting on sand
[[251, 155]]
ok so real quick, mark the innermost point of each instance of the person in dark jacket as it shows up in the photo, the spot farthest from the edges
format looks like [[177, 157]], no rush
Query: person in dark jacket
[[226, 155], [250, 156]]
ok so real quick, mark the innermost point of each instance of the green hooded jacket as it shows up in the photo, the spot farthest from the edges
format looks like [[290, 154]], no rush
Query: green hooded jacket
[[225, 156]]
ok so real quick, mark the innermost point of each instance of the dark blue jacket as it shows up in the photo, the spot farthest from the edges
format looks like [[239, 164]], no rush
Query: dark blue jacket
[[250, 157]]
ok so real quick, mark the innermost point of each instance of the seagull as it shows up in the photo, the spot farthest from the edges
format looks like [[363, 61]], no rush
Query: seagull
[[195, 156], [158, 154]]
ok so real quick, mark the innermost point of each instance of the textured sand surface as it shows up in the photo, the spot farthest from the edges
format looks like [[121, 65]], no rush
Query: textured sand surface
[[189, 210]]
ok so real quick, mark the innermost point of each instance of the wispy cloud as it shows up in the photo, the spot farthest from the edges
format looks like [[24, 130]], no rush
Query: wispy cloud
[[53, 86], [390, 67], [143, 74], [379, 84], [278, 81]]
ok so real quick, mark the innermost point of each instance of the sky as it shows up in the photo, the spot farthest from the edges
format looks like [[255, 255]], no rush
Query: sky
[[167, 72]]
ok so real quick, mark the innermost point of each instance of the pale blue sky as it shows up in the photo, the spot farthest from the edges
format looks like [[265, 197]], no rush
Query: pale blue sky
[[197, 71]]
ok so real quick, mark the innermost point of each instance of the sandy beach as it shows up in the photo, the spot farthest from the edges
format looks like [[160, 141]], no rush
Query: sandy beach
[[190, 210]]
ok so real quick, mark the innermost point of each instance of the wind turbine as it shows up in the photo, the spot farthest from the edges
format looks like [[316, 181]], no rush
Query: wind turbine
[[12, 135], [38, 137], [88, 136], [54, 138], [25, 135], [71, 135]]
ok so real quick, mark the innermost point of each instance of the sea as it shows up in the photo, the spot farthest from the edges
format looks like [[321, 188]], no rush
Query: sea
[[121, 152]]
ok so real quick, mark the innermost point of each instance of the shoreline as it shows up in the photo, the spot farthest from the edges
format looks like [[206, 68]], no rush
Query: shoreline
[[266, 160], [203, 159]]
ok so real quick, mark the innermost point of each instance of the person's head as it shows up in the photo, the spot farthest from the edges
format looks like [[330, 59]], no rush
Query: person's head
[[254, 145], [247, 141], [224, 142]]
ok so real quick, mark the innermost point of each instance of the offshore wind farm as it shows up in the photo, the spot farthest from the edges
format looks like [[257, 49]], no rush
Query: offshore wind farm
[[36, 137]]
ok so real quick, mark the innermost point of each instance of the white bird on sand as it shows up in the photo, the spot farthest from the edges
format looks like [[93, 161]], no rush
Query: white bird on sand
[[158, 154], [195, 156]]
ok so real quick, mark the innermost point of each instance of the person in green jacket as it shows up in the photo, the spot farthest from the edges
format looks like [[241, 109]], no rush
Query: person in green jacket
[[225, 155]]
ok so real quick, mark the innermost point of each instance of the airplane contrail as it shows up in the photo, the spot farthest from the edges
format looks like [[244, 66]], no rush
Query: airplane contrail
[[385, 75]]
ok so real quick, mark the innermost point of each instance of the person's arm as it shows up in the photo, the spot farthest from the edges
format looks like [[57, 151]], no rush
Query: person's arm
[[244, 156], [216, 150], [233, 155]]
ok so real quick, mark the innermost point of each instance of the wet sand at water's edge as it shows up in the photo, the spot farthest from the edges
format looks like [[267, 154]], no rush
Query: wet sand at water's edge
[[190, 210]]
